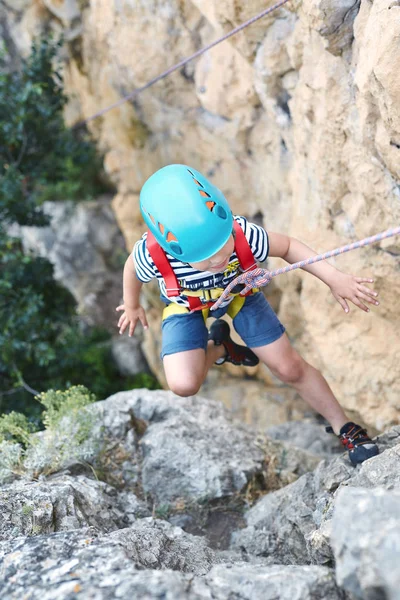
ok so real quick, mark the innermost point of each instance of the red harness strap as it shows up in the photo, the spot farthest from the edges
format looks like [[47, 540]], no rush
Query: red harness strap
[[173, 289], [243, 250], [163, 265]]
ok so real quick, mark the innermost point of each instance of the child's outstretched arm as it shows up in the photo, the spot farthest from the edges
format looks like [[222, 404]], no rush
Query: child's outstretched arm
[[133, 311], [342, 285]]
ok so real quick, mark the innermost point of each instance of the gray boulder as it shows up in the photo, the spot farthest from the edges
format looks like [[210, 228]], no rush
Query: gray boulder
[[277, 582], [307, 435], [82, 563], [63, 503], [88, 263], [171, 447], [191, 450], [155, 544], [366, 542], [278, 524], [294, 524]]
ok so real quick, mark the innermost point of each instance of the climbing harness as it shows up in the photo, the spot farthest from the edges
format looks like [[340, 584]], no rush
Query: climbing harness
[[203, 299], [181, 63], [261, 277]]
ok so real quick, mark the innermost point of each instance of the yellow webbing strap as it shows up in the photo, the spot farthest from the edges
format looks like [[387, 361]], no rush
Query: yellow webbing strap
[[177, 309], [207, 295], [174, 309], [234, 307]]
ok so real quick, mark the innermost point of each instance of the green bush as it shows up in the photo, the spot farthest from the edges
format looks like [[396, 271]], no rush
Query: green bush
[[65, 409], [42, 344], [15, 427], [59, 404]]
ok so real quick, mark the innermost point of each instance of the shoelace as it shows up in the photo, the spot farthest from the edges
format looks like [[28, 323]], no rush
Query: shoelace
[[354, 437]]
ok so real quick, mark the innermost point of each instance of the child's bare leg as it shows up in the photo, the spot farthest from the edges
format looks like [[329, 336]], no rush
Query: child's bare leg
[[287, 364], [186, 371]]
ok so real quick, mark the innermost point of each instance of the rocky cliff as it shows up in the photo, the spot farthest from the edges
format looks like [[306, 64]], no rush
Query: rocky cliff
[[296, 119], [165, 498]]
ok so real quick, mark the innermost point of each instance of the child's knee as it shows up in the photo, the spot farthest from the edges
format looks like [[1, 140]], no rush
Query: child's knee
[[184, 372], [290, 370], [187, 385]]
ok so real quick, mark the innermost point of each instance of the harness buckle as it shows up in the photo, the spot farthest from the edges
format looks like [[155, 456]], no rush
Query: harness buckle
[[172, 292], [206, 296]]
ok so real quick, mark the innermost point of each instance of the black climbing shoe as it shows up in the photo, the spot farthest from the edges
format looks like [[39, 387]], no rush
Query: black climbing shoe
[[355, 439], [235, 354]]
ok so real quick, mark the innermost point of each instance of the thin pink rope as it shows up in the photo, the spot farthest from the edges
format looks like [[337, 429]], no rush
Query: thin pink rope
[[182, 63], [260, 277]]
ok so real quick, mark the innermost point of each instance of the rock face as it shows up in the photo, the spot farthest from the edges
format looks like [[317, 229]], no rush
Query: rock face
[[296, 119], [138, 513], [63, 503], [81, 562], [88, 263], [366, 569], [189, 452]]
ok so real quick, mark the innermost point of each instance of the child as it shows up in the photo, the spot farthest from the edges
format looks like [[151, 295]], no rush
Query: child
[[197, 244]]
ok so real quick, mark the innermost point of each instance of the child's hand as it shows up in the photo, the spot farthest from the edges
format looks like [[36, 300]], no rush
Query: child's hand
[[352, 288], [130, 317]]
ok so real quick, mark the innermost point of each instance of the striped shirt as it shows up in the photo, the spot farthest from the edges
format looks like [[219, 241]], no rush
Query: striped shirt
[[192, 279]]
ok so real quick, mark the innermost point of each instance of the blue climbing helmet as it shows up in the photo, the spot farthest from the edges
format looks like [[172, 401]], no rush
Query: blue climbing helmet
[[189, 217]]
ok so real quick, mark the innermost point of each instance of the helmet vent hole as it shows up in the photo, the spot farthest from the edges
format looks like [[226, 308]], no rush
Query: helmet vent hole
[[221, 212], [191, 173], [175, 247], [171, 237], [203, 193], [152, 218], [210, 205], [161, 228], [198, 183]]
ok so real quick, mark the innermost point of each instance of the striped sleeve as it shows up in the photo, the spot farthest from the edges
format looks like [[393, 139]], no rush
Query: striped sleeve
[[257, 238], [144, 265]]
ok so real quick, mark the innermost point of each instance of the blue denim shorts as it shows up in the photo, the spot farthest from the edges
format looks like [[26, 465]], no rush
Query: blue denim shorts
[[256, 323]]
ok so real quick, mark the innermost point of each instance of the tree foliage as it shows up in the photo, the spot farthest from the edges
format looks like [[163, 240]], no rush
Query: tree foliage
[[40, 157], [42, 344]]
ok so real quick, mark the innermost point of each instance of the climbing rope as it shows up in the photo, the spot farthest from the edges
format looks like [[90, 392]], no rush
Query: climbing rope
[[182, 63], [260, 277]]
